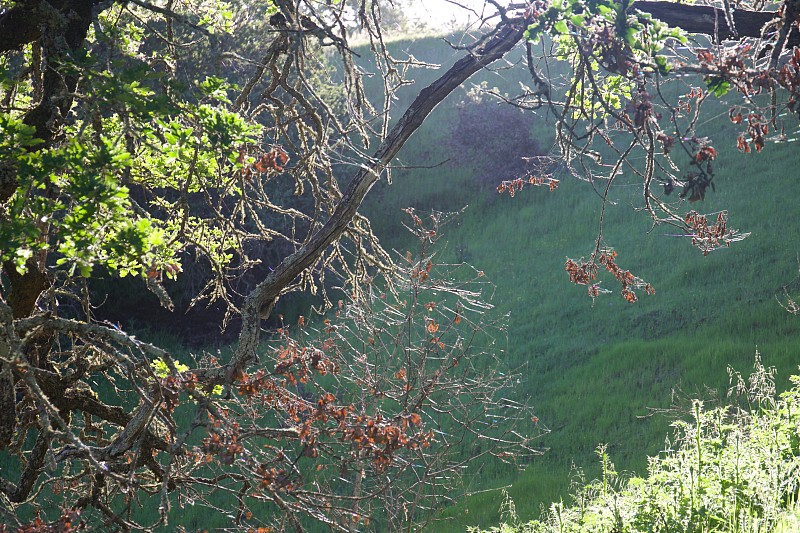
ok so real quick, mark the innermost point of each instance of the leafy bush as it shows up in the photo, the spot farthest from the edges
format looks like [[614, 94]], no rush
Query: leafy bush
[[507, 148], [729, 468]]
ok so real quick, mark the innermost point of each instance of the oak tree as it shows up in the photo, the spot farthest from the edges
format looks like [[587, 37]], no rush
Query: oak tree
[[141, 138]]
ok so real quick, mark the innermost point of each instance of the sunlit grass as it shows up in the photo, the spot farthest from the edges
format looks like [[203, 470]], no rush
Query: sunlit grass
[[728, 467]]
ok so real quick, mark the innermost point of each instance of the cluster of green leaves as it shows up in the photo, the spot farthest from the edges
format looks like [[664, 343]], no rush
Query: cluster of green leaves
[[133, 130], [195, 151], [90, 220], [162, 371], [644, 35], [730, 468], [611, 34], [161, 368]]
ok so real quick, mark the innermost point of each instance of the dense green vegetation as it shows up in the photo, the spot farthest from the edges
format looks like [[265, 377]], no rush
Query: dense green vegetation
[[729, 468], [596, 369]]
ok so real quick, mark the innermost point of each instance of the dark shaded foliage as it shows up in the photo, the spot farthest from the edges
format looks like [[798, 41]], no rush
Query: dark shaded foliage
[[494, 140]]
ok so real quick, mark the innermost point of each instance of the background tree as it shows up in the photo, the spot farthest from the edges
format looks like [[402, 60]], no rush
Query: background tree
[[508, 148]]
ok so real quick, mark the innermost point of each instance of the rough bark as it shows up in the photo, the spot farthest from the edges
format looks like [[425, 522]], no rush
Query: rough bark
[[23, 23], [25, 288], [8, 412], [8, 409], [708, 20], [16, 28], [33, 468], [72, 25]]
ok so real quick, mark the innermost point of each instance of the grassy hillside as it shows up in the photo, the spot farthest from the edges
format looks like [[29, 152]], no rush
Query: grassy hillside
[[594, 369]]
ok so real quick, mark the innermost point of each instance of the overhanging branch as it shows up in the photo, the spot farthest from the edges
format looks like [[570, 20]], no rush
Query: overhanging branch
[[706, 19], [259, 302]]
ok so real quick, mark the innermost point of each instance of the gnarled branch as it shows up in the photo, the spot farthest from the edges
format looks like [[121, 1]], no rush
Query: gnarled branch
[[259, 302]]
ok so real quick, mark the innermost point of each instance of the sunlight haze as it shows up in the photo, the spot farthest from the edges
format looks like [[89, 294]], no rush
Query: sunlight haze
[[442, 14]]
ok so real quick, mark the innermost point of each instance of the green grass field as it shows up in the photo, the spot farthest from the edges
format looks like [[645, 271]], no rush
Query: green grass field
[[595, 370]]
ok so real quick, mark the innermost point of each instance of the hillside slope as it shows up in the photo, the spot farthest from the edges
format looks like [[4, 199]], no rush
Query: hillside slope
[[595, 369]]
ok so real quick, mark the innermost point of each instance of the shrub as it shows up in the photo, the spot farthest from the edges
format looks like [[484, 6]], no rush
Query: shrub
[[506, 150], [730, 468]]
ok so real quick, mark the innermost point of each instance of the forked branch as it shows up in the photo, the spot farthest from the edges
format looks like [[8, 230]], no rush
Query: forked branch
[[260, 301]]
